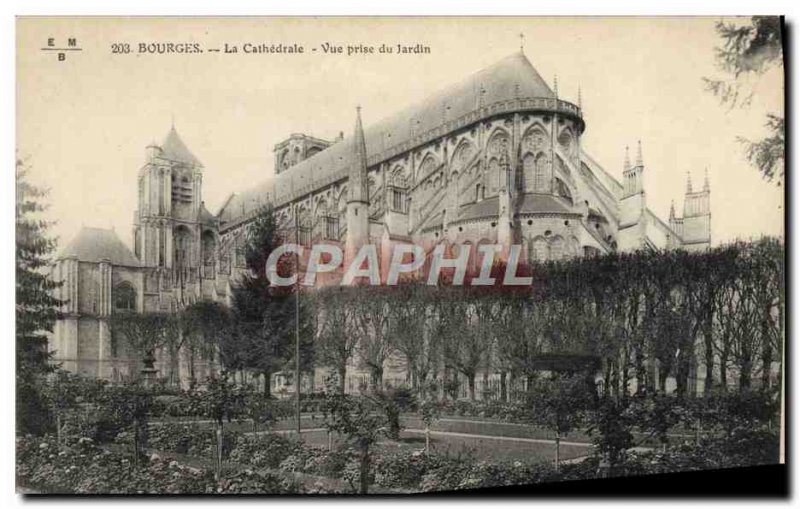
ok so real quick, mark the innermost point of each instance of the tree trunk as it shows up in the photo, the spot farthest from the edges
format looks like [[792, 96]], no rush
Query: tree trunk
[[136, 442], [723, 365], [663, 373], [530, 379], [342, 376], [364, 468], [503, 388], [427, 437], [192, 374], [641, 373], [766, 364], [267, 383], [218, 455], [745, 373], [471, 379], [709, 360]]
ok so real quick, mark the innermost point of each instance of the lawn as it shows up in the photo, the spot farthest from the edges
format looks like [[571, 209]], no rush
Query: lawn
[[484, 448]]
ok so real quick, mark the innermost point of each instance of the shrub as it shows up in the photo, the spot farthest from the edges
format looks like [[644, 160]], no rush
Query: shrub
[[265, 450], [81, 467], [193, 439]]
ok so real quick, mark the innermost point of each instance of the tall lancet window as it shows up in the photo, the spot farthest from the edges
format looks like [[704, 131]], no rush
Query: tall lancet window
[[541, 177], [162, 246], [398, 190]]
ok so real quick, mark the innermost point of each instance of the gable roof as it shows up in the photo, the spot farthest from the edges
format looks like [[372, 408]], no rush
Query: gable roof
[[96, 244], [174, 149], [511, 78]]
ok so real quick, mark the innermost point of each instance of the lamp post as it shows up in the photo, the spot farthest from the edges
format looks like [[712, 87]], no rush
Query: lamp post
[[297, 326]]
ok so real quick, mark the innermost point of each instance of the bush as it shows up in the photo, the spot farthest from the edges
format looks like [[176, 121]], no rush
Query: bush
[[266, 450], [82, 467], [406, 470], [193, 439]]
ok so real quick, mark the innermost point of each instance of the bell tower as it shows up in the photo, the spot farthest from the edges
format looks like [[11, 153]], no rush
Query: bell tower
[[166, 228]]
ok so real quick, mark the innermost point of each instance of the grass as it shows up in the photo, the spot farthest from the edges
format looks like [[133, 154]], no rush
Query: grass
[[485, 448]]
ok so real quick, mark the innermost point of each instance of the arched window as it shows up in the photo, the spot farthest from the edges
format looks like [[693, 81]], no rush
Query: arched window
[[181, 241], [557, 248], [541, 177], [529, 172], [124, 297], [539, 250], [398, 190], [494, 176]]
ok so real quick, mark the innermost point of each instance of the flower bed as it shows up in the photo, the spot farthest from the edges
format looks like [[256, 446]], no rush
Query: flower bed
[[84, 468]]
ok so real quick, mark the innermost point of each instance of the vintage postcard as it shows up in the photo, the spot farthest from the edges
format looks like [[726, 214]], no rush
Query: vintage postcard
[[394, 255]]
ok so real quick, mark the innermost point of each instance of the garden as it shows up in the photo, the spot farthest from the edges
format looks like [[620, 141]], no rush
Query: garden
[[230, 439]]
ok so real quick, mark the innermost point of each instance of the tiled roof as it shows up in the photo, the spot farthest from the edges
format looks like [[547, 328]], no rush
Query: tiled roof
[[96, 244], [511, 78], [174, 149], [530, 203], [483, 208], [542, 203]]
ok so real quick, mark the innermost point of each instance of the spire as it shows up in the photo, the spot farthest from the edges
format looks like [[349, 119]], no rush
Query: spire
[[627, 165], [706, 187], [671, 210], [688, 182], [639, 160], [358, 170], [580, 100], [555, 85]]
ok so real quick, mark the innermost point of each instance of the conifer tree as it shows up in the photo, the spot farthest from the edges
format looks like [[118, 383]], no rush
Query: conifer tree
[[265, 315], [36, 306]]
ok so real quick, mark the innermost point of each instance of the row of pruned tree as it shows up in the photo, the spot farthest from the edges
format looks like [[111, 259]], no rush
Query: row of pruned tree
[[644, 316]]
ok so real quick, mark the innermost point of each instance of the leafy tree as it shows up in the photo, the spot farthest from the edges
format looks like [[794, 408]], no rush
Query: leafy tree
[[467, 333], [658, 414], [207, 328], [220, 400], [371, 327], [144, 332], [360, 419], [335, 341], [751, 49], [36, 306], [123, 407], [429, 409], [610, 426], [559, 404], [60, 395]]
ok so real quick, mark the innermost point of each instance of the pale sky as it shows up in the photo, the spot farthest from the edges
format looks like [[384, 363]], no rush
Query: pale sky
[[84, 123]]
